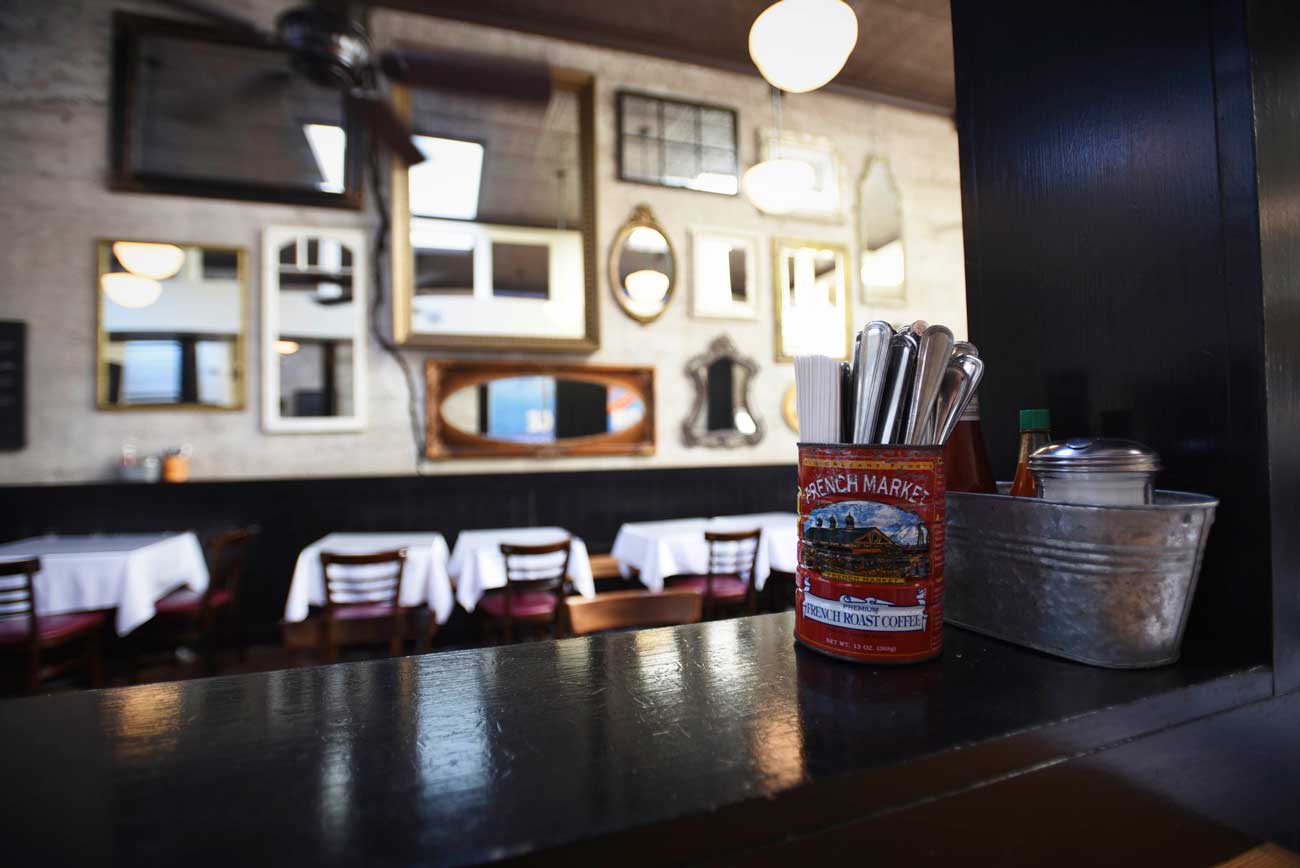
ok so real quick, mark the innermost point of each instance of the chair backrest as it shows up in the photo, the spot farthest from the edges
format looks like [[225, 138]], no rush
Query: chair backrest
[[18, 591], [226, 556], [352, 586], [536, 568], [734, 553], [621, 609]]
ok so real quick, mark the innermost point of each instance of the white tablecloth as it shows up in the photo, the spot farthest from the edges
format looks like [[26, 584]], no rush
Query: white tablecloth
[[477, 565], [128, 572], [659, 549], [424, 576]]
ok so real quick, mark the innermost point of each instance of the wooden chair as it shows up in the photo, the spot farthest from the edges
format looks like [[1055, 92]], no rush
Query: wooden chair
[[617, 610], [26, 634], [187, 617], [729, 582], [536, 584], [353, 597]]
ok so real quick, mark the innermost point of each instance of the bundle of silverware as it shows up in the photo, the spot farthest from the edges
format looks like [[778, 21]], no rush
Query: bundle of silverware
[[905, 387]]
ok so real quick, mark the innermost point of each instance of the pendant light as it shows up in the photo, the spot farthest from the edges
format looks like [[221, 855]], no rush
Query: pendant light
[[778, 184], [800, 45], [145, 259], [130, 290]]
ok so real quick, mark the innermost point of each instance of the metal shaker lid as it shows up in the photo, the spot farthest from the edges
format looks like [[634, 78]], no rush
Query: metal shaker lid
[[972, 411], [1095, 454]]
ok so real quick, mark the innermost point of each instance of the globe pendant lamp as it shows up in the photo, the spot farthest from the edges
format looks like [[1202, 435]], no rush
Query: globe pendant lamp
[[800, 45], [130, 290], [148, 259], [778, 184]]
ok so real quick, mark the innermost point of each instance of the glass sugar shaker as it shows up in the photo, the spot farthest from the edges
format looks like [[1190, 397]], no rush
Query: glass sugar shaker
[[1096, 471]]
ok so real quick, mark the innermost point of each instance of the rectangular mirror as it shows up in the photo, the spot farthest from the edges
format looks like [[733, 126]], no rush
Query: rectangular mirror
[[724, 271], [171, 326], [313, 329], [494, 233], [481, 409], [812, 303], [251, 127]]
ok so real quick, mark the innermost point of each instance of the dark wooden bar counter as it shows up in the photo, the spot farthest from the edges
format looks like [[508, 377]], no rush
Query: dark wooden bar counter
[[669, 745]]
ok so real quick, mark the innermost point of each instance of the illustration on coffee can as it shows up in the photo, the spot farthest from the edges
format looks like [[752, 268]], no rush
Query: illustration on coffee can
[[870, 576]]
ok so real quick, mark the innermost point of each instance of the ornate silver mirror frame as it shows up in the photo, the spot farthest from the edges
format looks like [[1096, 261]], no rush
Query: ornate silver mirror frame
[[746, 429]]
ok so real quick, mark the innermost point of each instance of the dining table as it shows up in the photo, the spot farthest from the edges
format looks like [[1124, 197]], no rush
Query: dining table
[[424, 573], [477, 565], [656, 550], [128, 573]]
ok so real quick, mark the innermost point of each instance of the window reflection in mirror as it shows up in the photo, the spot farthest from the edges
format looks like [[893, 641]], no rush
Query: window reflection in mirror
[[880, 213], [724, 284], [171, 326], [316, 322], [542, 409], [811, 299], [313, 329]]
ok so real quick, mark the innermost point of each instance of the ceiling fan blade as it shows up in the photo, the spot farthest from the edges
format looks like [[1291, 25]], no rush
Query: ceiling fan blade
[[378, 115], [214, 12], [522, 80]]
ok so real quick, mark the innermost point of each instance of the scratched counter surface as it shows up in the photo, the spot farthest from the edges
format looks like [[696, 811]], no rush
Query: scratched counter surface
[[652, 746]]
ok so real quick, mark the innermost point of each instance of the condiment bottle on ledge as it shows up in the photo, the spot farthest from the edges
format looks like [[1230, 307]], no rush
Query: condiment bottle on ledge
[[1035, 432], [965, 459]]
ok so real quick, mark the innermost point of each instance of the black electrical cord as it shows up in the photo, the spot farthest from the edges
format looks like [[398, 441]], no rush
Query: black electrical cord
[[377, 266]]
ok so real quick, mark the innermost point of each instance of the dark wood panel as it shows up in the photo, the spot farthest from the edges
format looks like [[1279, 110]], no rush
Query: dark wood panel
[[1192, 795], [666, 745], [293, 513], [1111, 253], [1275, 48], [13, 385]]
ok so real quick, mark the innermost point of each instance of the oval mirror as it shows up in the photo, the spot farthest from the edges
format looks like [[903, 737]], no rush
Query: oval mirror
[[642, 267], [542, 409], [506, 408]]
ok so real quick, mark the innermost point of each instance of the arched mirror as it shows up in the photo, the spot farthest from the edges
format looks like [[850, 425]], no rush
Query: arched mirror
[[883, 261], [722, 415], [480, 409], [642, 267]]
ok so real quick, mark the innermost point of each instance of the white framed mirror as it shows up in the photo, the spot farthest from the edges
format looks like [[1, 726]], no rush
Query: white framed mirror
[[724, 274], [313, 329]]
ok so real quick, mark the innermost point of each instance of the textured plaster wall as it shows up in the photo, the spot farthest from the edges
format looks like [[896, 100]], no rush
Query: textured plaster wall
[[54, 203]]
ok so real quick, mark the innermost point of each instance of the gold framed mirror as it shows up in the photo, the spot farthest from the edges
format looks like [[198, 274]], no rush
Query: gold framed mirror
[[811, 280], [172, 321], [476, 409], [642, 267], [493, 235]]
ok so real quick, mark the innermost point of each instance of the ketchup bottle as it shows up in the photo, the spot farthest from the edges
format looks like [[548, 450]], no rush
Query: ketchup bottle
[[965, 460]]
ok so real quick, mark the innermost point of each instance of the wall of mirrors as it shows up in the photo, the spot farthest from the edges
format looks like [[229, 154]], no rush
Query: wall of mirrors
[[724, 274], [484, 409], [642, 267], [722, 413], [172, 325], [313, 329], [494, 233], [881, 254], [812, 304]]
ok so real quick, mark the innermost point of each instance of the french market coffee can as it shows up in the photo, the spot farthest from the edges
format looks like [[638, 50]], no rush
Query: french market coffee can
[[870, 577]]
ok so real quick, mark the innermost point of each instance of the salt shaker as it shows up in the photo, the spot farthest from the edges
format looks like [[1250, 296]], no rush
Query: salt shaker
[[1095, 471]]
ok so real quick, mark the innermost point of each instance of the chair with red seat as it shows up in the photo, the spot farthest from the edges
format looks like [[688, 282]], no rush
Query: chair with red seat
[[536, 583], [355, 595], [27, 634], [729, 582], [186, 617]]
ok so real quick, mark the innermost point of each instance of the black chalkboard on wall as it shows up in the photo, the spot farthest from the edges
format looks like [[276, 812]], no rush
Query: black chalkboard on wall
[[13, 376]]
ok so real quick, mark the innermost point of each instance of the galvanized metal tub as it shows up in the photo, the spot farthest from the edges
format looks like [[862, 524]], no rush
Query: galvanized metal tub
[[1103, 585]]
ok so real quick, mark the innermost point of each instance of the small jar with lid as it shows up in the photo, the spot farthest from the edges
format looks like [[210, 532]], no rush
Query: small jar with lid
[[1095, 471]]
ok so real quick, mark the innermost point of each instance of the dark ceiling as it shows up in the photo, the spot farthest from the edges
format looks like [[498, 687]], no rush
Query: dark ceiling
[[903, 55]]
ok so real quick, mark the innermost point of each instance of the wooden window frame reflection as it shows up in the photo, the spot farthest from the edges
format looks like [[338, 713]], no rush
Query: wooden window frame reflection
[[128, 30], [103, 258], [446, 377], [402, 263]]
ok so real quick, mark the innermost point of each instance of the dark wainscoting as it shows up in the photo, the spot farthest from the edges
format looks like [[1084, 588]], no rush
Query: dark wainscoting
[[294, 512]]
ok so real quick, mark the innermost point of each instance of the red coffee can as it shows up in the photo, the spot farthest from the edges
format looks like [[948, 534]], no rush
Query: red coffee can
[[870, 578]]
